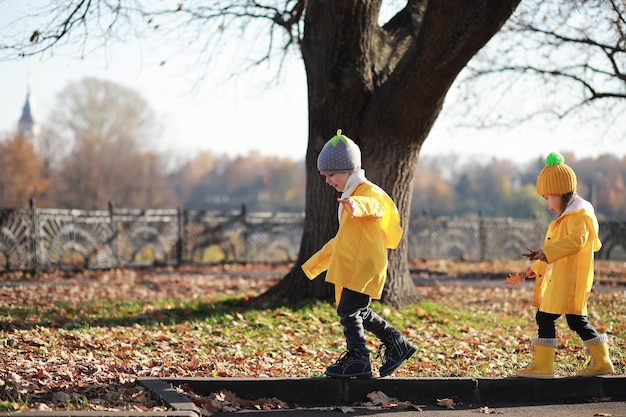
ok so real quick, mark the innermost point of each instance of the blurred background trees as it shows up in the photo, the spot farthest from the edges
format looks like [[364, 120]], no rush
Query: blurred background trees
[[98, 146], [103, 134], [381, 71]]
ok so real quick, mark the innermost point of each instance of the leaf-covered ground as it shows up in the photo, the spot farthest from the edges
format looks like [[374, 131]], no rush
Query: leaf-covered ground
[[79, 341]]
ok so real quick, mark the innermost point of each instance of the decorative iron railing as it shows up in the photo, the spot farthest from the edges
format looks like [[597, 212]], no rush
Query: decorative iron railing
[[32, 239]]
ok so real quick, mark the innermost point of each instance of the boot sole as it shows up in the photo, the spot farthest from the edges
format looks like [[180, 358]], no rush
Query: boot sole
[[536, 376], [365, 375], [406, 356], [596, 374]]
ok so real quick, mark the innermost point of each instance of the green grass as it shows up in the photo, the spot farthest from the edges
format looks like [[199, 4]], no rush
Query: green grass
[[159, 327]]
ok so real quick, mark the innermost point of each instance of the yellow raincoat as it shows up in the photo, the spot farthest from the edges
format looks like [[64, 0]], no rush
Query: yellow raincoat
[[563, 284], [356, 258]]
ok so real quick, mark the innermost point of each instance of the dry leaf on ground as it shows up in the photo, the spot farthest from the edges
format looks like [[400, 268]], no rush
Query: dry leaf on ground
[[379, 397], [487, 410], [446, 402]]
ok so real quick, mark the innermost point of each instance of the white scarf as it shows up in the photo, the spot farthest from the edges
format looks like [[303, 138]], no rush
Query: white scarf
[[353, 180], [578, 203]]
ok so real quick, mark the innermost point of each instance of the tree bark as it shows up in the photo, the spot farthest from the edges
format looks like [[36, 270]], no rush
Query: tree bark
[[384, 87]]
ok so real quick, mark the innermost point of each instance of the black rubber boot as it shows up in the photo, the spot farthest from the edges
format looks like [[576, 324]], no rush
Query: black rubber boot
[[351, 364], [394, 350]]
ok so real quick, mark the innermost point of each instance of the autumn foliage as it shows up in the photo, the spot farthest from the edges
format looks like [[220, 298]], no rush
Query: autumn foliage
[[80, 340], [515, 279], [21, 175]]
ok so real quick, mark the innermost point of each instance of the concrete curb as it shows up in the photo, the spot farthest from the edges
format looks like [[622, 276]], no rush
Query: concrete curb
[[169, 396], [99, 414], [329, 393], [315, 392]]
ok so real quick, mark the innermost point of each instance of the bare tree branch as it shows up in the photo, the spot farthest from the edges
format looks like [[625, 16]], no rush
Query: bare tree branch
[[88, 25], [568, 56]]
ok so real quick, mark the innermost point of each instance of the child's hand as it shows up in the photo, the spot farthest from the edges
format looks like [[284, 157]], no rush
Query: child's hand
[[348, 204], [529, 272], [535, 255], [531, 254], [541, 256]]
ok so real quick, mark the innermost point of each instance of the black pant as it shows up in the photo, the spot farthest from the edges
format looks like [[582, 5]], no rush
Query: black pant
[[356, 316], [579, 324]]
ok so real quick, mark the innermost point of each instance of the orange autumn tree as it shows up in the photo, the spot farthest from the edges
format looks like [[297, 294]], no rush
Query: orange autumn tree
[[21, 175]]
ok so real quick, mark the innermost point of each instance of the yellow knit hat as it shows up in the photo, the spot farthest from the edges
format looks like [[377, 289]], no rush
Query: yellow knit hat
[[556, 177]]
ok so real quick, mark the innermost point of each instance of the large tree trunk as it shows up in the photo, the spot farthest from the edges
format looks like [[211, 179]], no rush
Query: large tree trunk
[[384, 87]]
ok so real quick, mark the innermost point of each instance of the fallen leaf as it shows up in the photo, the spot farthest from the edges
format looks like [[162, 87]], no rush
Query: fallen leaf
[[421, 312], [446, 402], [601, 399], [379, 397], [410, 406], [386, 402], [41, 407], [487, 410], [457, 400]]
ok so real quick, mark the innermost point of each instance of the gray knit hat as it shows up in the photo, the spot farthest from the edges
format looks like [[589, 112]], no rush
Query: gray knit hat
[[339, 154]]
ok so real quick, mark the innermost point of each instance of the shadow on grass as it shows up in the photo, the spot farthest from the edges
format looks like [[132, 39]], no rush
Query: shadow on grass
[[163, 316]]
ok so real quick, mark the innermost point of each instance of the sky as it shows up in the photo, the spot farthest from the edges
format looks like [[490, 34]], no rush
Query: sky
[[249, 113]]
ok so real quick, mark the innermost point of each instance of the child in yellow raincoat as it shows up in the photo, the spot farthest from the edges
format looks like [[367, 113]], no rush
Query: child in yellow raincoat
[[563, 271], [356, 260]]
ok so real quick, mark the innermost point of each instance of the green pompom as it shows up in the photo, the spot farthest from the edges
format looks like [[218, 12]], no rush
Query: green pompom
[[554, 159], [339, 137]]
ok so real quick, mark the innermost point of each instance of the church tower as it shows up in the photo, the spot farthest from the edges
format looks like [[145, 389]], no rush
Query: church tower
[[28, 125]]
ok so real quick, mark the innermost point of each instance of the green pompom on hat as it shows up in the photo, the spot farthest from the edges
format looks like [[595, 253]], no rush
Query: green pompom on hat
[[554, 158], [556, 177], [339, 154]]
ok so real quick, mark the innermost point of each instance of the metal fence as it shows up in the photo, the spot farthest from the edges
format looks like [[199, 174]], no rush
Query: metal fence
[[33, 238]]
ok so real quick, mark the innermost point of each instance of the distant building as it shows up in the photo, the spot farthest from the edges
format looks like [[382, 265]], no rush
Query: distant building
[[28, 125]]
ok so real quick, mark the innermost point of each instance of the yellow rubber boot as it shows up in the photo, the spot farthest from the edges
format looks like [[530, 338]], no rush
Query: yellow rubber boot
[[600, 361], [542, 365]]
